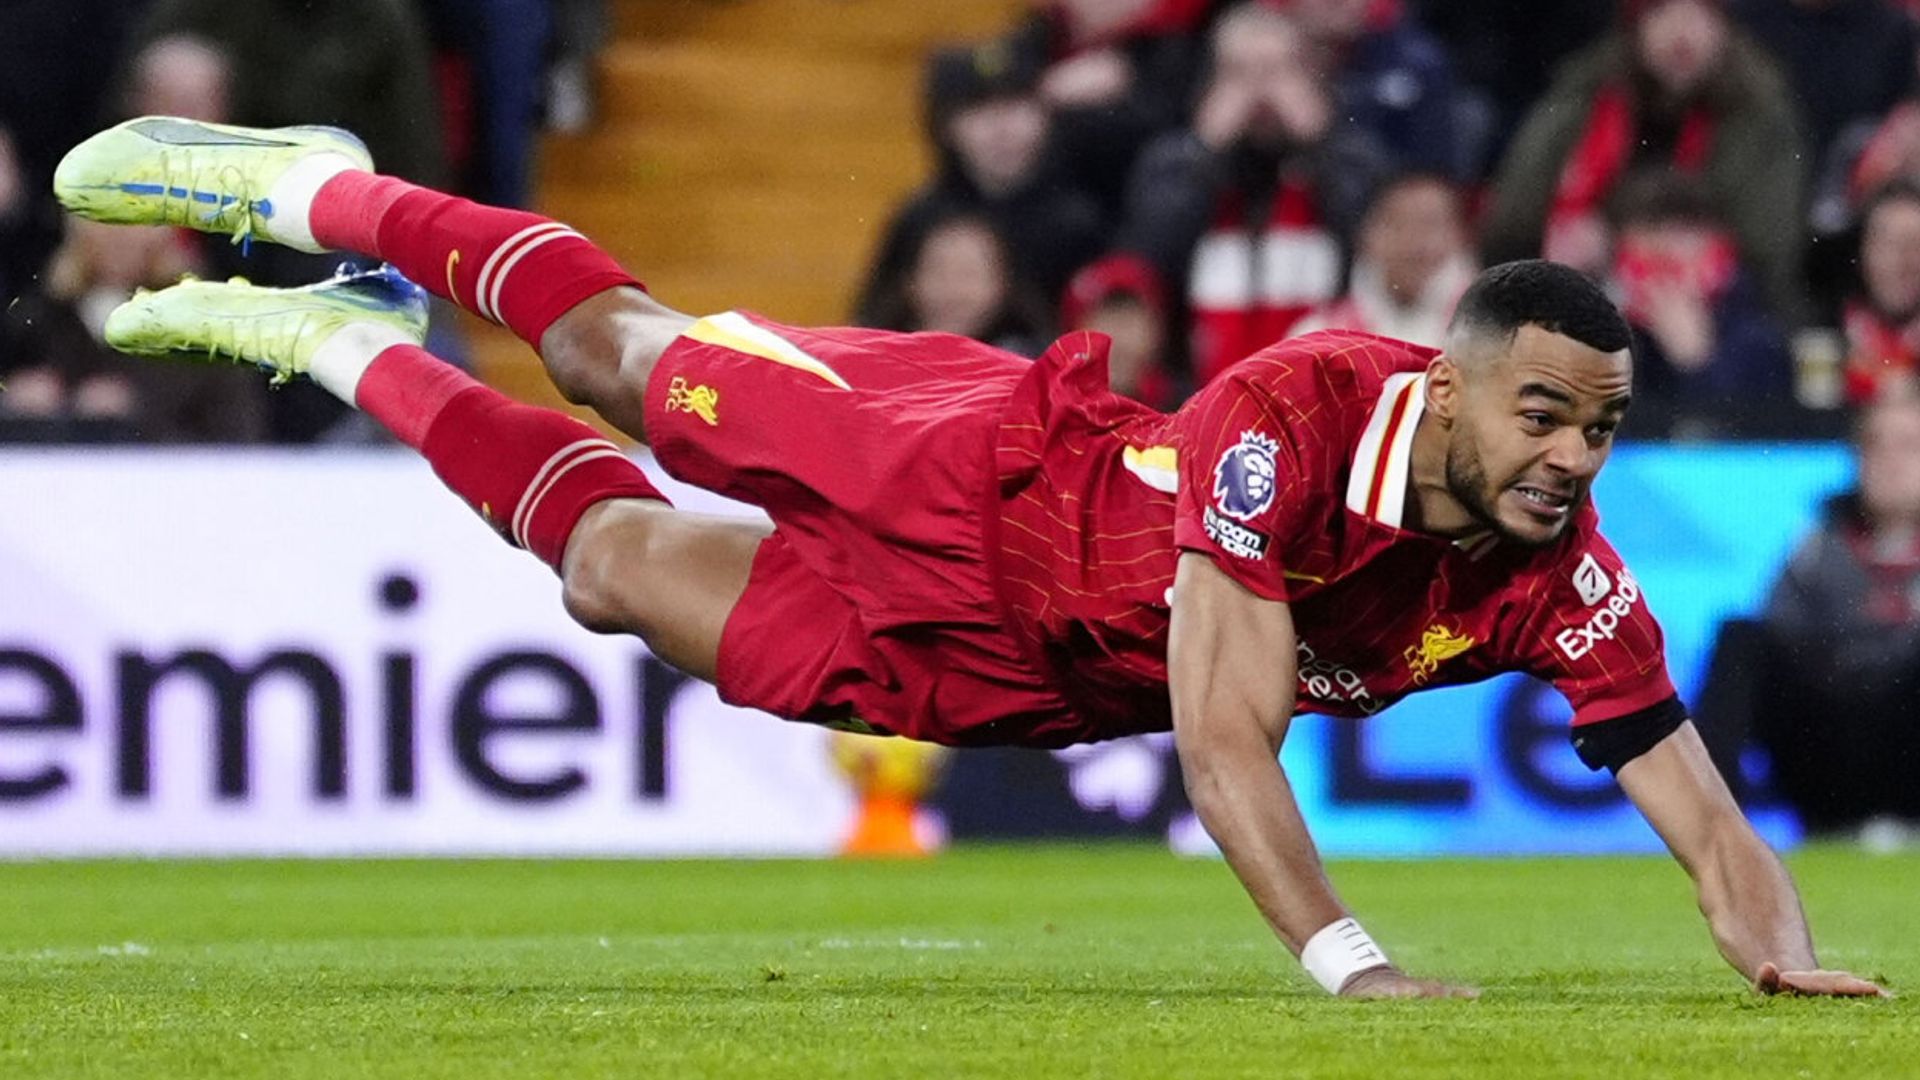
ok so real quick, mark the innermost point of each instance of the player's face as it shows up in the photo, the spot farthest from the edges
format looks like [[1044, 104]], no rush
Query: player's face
[[1532, 429]]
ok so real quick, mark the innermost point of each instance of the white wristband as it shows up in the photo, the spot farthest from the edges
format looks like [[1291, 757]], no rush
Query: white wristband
[[1338, 952]]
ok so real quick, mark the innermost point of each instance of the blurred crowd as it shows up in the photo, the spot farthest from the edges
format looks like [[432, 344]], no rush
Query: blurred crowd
[[1194, 178], [1199, 178], [451, 93]]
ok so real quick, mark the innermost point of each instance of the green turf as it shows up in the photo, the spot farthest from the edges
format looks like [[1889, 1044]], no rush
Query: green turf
[[1114, 961]]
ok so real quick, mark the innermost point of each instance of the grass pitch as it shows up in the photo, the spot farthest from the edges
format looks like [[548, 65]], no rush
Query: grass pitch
[[1050, 961]]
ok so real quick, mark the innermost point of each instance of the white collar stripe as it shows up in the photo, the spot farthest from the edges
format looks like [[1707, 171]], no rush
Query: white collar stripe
[[1392, 494]]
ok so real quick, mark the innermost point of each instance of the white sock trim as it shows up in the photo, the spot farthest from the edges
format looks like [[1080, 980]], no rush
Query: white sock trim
[[292, 197], [341, 360], [485, 287], [530, 502], [500, 277]]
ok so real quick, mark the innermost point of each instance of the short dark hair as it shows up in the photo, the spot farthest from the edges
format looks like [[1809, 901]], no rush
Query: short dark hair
[[1549, 295]]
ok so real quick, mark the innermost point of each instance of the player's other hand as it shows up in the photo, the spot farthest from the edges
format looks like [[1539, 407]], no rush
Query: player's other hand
[[1818, 983], [1387, 982]]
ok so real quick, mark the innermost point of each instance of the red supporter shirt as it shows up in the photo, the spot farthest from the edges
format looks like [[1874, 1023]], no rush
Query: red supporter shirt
[[1291, 472], [1245, 290]]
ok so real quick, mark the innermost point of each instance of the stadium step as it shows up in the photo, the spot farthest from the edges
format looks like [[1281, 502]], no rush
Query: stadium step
[[747, 152]]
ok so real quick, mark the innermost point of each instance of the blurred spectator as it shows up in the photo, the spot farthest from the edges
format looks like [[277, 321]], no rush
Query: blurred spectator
[[181, 75], [1411, 264], [52, 95], [1507, 52], [499, 49], [1116, 73], [1122, 297], [580, 31], [1839, 709], [1847, 60], [1864, 157], [357, 64], [1676, 87], [991, 133], [1708, 355], [16, 210], [1393, 79], [1851, 63], [63, 369], [958, 278], [1882, 323], [1252, 206]]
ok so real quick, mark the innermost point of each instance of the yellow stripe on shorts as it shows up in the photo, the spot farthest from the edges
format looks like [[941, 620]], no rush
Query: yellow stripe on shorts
[[732, 330]]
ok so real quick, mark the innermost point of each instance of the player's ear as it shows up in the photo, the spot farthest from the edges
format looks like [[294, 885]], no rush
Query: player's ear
[[1443, 389]]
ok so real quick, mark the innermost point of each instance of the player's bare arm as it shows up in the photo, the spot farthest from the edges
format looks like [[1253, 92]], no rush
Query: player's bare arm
[[1231, 672], [1746, 894]]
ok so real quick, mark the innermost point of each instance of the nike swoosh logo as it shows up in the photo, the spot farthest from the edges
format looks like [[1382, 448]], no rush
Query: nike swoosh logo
[[186, 133]]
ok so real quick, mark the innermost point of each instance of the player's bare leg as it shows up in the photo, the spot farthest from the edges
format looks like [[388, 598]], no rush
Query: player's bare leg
[[635, 566], [629, 562], [601, 353]]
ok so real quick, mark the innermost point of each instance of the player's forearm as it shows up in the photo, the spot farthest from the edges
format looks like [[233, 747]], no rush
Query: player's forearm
[[1231, 676], [1242, 797], [1751, 904]]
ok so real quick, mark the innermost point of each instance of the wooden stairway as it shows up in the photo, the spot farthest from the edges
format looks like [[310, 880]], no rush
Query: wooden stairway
[[747, 152]]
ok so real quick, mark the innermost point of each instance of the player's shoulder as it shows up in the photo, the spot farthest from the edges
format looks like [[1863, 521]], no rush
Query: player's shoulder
[[1342, 361], [1321, 387]]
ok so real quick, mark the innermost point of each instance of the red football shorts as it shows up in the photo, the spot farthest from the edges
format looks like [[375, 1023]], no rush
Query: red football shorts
[[873, 453]]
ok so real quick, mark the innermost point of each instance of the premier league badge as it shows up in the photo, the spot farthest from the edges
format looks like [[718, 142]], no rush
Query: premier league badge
[[1243, 482], [1243, 488]]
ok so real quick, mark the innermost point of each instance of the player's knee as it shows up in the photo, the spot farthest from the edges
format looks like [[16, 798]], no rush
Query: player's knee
[[605, 348], [599, 570], [589, 604], [580, 366]]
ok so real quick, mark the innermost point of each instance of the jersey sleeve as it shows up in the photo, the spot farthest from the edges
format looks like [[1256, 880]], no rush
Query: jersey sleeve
[[1245, 486], [1595, 639]]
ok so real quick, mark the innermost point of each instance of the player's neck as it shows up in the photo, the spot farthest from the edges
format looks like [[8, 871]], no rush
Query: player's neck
[[1431, 507]]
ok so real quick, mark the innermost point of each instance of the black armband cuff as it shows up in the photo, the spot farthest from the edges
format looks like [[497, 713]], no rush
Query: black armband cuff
[[1610, 744]]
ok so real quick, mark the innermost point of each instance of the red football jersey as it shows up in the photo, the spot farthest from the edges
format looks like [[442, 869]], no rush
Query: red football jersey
[[1291, 472]]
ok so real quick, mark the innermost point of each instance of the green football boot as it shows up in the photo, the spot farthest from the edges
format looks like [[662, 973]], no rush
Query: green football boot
[[161, 170], [278, 329]]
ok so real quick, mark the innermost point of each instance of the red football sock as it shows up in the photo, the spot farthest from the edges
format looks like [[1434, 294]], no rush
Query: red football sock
[[531, 473], [515, 268]]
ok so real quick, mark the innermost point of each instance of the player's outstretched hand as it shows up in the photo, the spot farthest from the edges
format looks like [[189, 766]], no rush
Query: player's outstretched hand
[[1387, 982], [1771, 980]]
